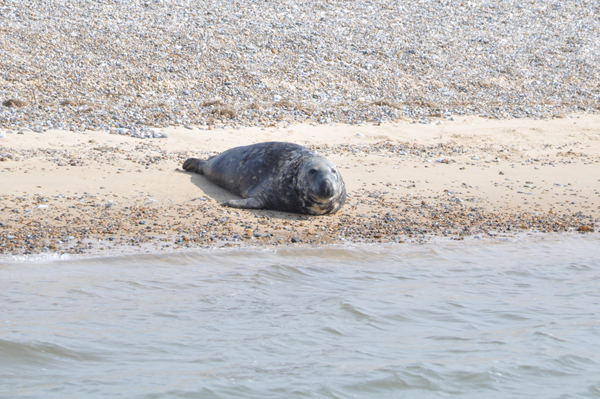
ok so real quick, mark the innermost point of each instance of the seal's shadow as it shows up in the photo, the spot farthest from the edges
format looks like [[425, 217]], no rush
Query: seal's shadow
[[210, 189], [221, 195]]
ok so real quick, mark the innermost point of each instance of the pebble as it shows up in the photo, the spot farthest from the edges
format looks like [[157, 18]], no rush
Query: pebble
[[158, 135]]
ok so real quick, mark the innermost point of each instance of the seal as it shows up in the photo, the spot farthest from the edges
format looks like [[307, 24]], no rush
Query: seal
[[275, 175]]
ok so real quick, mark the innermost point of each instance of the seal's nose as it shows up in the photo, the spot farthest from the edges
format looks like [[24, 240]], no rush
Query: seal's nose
[[326, 189]]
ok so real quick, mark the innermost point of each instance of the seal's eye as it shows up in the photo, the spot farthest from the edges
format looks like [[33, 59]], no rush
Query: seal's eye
[[312, 171]]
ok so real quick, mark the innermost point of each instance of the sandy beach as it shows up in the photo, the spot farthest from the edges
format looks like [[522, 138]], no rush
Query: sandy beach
[[97, 192], [477, 119]]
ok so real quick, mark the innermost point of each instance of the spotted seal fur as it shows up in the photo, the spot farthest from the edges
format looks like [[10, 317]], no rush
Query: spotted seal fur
[[275, 175]]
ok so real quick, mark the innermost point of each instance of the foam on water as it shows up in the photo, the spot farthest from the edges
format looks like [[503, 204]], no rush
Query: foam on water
[[495, 319], [36, 258]]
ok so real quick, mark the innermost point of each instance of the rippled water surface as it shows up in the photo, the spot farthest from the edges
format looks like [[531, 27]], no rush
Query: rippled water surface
[[469, 320]]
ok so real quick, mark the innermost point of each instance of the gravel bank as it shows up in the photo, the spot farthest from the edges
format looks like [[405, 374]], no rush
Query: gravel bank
[[80, 65]]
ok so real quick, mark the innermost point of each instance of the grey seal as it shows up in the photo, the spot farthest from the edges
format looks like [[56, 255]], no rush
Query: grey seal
[[275, 175]]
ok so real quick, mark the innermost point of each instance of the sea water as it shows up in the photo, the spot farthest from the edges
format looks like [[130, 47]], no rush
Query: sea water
[[478, 319]]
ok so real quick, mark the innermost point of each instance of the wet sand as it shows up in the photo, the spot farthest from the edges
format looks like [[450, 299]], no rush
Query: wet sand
[[96, 192]]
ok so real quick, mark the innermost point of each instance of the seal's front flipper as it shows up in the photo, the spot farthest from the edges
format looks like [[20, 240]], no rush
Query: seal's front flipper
[[193, 165], [247, 203]]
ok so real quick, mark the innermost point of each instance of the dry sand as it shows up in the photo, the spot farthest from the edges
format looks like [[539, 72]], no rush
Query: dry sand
[[96, 192]]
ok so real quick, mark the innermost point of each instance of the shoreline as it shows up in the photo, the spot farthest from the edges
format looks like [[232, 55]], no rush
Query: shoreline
[[431, 242], [96, 192]]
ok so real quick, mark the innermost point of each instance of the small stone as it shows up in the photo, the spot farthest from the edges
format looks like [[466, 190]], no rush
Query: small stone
[[14, 103], [159, 135]]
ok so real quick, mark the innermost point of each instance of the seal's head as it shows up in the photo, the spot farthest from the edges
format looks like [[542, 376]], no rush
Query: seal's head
[[322, 184]]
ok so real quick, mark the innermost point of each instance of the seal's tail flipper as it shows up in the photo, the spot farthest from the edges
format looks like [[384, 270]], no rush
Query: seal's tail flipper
[[246, 203], [194, 165]]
